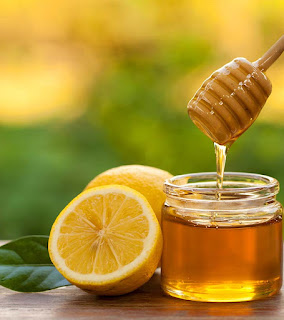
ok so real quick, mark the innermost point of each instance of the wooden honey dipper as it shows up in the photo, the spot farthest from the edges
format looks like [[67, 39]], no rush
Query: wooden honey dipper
[[230, 100]]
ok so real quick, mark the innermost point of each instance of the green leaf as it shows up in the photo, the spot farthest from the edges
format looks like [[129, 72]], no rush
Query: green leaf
[[25, 266]]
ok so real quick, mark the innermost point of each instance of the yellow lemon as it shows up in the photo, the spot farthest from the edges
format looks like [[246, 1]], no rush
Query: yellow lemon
[[146, 180], [107, 240]]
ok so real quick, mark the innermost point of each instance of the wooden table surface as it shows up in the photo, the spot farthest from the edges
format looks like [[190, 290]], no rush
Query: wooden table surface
[[148, 302]]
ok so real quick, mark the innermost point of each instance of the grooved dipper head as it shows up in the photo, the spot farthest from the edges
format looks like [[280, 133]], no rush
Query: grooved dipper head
[[229, 101]]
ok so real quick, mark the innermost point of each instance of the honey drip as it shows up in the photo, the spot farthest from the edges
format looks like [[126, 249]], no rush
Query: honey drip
[[221, 154]]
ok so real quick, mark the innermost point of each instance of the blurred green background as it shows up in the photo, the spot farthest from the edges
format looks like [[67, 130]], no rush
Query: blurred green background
[[89, 85]]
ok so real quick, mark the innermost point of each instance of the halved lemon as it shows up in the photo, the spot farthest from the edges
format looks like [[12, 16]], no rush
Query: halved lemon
[[107, 240]]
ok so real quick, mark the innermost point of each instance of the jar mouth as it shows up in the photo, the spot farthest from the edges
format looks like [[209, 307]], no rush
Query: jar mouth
[[236, 186]]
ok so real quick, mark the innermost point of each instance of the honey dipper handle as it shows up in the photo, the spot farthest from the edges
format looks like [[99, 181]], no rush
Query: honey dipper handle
[[271, 55]]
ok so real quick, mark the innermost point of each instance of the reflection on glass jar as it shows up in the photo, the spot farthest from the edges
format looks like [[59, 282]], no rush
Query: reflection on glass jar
[[222, 250]]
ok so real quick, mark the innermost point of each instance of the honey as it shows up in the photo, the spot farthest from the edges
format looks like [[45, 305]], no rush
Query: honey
[[221, 155], [223, 233], [222, 249]]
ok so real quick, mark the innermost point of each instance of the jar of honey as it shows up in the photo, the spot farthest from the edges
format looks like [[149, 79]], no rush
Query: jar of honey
[[222, 244]]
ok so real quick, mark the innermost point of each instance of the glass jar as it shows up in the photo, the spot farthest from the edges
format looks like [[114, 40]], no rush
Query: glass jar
[[222, 250]]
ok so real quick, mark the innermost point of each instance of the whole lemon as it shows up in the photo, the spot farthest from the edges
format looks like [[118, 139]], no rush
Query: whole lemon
[[146, 180]]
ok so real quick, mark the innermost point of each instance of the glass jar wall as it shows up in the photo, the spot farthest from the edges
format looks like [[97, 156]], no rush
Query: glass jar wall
[[222, 250]]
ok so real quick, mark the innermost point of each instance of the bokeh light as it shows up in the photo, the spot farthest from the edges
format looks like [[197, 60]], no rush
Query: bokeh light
[[87, 85]]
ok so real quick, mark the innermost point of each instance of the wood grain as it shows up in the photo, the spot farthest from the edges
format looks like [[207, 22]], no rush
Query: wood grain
[[148, 302]]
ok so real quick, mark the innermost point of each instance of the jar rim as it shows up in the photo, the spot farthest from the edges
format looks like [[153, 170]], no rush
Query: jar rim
[[236, 185]]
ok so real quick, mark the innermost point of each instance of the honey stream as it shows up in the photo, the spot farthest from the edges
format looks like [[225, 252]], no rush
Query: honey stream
[[221, 155]]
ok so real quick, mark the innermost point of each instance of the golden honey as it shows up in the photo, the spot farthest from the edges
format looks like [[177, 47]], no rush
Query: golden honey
[[227, 248]]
